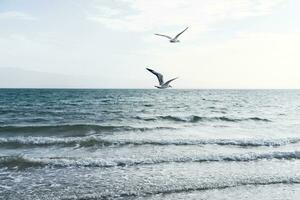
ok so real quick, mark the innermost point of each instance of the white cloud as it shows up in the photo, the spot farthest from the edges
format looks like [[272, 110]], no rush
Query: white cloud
[[222, 58], [15, 15], [147, 15]]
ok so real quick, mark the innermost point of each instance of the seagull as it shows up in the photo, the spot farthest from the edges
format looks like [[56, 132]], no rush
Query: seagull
[[162, 84], [175, 39]]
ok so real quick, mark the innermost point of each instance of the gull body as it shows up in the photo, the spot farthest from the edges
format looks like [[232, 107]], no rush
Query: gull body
[[173, 39], [162, 84]]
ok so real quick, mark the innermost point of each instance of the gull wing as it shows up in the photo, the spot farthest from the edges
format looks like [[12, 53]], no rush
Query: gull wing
[[169, 81], [180, 33], [158, 75], [164, 36]]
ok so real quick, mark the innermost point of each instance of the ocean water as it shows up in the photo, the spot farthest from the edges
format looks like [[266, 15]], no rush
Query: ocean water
[[149, 144]]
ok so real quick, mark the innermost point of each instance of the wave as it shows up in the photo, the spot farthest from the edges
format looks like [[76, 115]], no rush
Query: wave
[[186, 189], [20, 162], [195, 118], [90, 141], [70, 129]]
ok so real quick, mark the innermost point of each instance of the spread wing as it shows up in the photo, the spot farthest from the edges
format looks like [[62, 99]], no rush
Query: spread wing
[[180, 33], [169, 81], [158, 75], [164, 36]]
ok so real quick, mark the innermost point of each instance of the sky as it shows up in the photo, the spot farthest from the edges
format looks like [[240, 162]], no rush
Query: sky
[[109, 43]]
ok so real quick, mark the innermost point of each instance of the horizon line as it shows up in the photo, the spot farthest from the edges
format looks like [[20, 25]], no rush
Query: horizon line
[[95, 88]]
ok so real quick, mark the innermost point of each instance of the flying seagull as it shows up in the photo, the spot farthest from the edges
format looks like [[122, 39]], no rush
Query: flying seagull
[[162, 84], [175, 39]]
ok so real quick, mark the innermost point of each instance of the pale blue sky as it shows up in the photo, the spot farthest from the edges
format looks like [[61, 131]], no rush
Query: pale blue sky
[[230, 43]]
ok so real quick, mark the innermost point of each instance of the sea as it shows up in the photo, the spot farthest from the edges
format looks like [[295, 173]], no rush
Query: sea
[[149, 144]]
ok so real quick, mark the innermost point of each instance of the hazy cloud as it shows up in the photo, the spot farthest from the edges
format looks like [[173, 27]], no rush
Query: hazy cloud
[[147, 15], [15, 15], [230, 43]]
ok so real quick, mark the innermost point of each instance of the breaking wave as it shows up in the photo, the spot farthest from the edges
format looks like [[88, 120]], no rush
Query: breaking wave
[[90, 141], [20, 162], [75, 129]]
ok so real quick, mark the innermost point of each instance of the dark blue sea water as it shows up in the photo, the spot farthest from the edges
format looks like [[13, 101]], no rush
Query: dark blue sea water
[[149, 144]]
